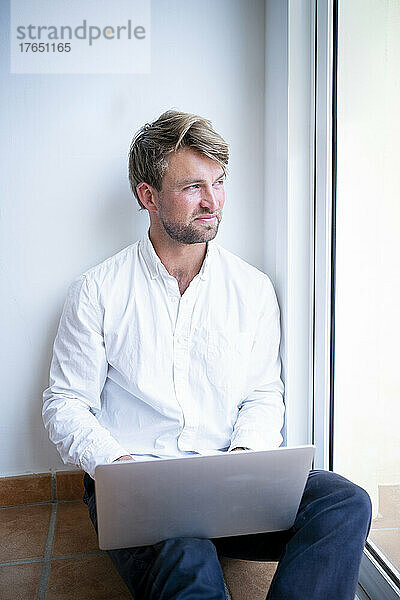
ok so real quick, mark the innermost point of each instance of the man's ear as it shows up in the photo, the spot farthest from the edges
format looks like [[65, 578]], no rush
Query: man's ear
[[147, 196]]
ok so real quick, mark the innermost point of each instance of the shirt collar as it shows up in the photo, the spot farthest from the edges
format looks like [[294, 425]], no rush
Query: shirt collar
[[155, 265]]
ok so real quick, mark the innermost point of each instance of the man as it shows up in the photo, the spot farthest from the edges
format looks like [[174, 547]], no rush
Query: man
[[171, 347]]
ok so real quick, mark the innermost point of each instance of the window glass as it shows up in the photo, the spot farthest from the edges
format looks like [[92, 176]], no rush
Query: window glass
[[367, 302]]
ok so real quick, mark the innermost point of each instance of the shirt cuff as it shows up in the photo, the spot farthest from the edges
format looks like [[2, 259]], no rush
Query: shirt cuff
[[251, 439], [104, 455]]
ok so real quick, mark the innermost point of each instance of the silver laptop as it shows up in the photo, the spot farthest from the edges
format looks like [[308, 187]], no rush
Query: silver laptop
[[235, 493]]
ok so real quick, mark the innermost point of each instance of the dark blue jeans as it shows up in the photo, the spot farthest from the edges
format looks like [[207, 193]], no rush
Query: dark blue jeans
[[319, 557]]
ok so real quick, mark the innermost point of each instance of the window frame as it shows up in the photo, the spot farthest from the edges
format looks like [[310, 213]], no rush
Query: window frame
[[299, 216], [376, 581], [288, 212]]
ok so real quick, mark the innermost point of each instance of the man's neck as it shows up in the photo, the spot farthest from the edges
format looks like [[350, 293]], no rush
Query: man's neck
[[182, 261]]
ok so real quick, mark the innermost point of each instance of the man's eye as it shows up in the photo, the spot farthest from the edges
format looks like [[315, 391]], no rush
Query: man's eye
[[195, 186], [220, 182]]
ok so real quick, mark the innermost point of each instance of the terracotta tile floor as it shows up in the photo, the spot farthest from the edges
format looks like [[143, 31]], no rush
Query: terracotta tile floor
[[49, 551]]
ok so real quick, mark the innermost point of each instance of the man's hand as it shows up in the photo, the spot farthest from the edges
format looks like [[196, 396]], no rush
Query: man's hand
[[124, 457], [239, 448]]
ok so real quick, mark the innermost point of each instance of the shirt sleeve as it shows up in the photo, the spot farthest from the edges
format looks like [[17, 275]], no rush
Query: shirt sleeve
[[260, 417], [77, 375]]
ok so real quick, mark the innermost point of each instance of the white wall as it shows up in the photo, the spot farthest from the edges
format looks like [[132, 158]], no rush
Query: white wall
[[66, 203]]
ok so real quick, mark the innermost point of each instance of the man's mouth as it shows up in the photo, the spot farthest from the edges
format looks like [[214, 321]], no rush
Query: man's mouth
[[207, 218]]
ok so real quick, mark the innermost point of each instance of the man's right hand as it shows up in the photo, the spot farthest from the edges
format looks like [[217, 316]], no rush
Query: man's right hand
[[125, 457]]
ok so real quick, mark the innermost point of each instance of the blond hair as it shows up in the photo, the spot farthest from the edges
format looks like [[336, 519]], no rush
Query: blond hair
[[173, 130]]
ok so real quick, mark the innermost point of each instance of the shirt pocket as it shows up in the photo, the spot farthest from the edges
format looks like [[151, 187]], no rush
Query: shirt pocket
[[227, 360]]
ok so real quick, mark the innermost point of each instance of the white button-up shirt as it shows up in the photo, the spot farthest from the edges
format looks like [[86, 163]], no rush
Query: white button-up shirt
[[139, 369]]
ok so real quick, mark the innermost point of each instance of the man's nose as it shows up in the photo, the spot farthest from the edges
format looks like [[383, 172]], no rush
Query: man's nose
[[209, 198]]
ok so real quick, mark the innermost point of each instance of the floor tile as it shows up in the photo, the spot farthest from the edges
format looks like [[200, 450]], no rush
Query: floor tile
[[25, 489], [69, 485], [247, 579], [389, 502], [20, 582], [74, 530], [385, 522], [88, 578], [388, 541], [23, 531]]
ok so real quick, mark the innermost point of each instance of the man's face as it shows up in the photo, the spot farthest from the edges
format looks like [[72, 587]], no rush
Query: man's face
[[192, 197]]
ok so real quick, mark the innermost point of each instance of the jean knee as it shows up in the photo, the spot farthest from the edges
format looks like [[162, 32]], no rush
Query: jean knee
[[342, 493], [190, 548], [357, 503], [190, 544], [362, 503]]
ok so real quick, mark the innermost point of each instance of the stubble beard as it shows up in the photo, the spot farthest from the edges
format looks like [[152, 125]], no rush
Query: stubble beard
[[191, 233]]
